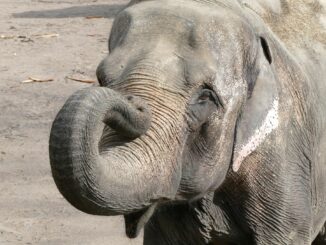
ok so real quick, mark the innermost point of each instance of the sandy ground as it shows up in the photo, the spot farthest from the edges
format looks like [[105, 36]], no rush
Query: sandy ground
[[31, 209]]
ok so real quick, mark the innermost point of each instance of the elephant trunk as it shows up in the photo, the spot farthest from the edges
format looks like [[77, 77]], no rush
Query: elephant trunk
[[109, 179]]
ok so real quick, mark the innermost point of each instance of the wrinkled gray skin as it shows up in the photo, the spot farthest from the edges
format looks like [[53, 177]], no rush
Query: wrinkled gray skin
[[209, 127]]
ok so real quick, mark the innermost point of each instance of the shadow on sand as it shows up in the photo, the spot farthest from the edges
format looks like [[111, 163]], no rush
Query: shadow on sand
[[103, 10]]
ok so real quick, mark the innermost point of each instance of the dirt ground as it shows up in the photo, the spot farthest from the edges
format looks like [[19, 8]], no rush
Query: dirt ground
[[48, 39]]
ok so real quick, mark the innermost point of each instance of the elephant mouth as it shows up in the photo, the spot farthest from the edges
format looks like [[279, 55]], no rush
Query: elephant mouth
[[134, 222]]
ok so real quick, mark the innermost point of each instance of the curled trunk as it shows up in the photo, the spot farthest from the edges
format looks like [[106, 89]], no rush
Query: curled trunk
[[116, 180]]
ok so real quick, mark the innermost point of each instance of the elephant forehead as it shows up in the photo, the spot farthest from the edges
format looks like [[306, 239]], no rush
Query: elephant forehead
[[181, 19], [184, 44]]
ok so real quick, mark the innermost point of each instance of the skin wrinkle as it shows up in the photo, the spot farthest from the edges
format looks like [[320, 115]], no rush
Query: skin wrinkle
[[301, 124], [143, 87], [156, 110]]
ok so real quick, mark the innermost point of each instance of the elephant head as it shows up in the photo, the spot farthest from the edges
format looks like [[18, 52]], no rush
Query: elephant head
[[183, 90]]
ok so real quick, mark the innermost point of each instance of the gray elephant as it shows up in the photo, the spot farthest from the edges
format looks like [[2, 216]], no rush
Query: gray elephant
[[209, 126]]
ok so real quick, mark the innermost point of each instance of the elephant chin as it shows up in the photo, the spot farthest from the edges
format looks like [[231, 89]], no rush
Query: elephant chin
[[134, 222]]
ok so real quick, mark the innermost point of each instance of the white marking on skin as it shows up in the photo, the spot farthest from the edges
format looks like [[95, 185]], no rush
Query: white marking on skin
[[270, 123]]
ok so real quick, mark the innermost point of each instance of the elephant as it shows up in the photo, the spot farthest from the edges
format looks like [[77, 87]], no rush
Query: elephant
[[208, 125]]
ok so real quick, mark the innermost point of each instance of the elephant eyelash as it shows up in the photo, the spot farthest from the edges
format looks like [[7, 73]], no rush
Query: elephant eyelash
[[219, 101]]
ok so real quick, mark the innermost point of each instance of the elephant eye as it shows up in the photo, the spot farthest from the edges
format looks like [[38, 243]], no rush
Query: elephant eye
[[208, 95], [205, 95]]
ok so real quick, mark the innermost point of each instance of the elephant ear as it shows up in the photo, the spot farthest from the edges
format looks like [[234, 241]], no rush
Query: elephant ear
[[259, 116]]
